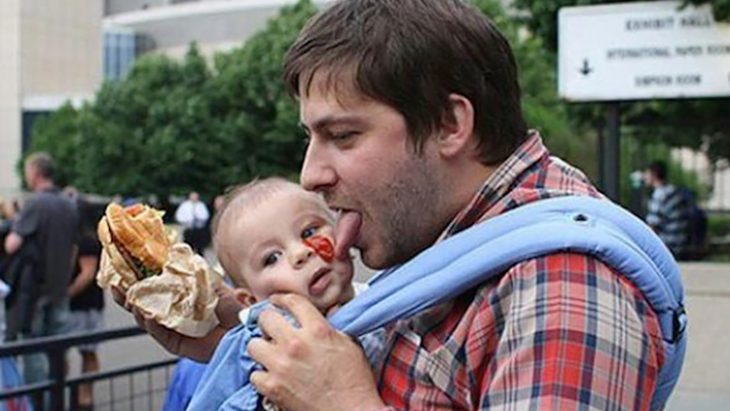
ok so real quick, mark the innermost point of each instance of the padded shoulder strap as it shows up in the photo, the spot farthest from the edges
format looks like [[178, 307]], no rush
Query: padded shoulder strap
[[459, 263]]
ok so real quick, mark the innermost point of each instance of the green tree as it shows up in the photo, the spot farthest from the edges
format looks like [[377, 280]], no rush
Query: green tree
[[252, 103], [171, 126], [152, 132], [174, 126], [688, 122], [721, 8], [542, 15], [59, 135], [540, 102]]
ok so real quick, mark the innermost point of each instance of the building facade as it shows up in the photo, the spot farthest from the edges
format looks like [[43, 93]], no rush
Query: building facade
[[56, 51], [50, 52]]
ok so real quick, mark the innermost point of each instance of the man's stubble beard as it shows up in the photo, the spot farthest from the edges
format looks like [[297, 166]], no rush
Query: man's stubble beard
[[407, 215]]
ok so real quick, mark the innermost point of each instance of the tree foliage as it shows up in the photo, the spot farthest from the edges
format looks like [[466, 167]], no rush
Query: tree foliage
[[174, 126], [696, 123], [542, 15], [542, 107], [153, 132], [58, 134], [249, 91]]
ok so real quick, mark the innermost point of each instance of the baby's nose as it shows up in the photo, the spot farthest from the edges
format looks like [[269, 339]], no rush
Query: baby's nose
[[301, 255]]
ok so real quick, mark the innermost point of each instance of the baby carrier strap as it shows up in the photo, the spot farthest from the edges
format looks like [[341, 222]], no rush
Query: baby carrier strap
[[564, 224]]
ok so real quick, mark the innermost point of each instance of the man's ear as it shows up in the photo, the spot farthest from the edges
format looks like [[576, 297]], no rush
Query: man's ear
[[457, 127], [244, 296]]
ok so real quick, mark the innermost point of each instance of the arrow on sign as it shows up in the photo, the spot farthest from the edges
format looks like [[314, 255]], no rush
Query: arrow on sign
[[586, 69]]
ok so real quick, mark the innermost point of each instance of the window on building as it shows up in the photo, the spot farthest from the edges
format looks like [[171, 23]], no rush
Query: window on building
[[119, 52]]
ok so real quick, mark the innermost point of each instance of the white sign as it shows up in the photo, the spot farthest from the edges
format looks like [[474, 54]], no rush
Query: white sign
[[639, 51]]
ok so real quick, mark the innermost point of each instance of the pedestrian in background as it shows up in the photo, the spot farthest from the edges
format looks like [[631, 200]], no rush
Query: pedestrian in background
[[193, 216], [667, 208], [86, 298], [45, 232], [6, 223]]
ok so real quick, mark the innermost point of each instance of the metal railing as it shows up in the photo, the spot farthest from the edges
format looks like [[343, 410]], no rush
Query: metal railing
[[59, 385]]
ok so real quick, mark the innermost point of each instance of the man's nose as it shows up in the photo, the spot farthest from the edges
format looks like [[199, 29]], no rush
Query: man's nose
[[317, 173]]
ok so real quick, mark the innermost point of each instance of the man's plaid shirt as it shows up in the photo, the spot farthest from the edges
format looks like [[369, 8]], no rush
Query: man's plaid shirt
[[560, 332]]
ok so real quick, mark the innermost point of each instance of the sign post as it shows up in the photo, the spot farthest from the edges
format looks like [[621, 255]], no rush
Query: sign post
[[611, 151], [639, 51]]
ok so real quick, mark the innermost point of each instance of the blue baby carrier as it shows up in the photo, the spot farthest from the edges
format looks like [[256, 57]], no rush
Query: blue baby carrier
[[564, 224], [485, 251]]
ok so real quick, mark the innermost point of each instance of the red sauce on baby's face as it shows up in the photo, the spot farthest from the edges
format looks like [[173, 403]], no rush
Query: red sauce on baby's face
[[322, 246]]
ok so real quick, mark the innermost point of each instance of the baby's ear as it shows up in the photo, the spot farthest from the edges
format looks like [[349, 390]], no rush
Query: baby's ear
[[244, 296]]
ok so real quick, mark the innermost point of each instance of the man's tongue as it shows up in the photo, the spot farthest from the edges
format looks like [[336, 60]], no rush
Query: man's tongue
[[346, 232]]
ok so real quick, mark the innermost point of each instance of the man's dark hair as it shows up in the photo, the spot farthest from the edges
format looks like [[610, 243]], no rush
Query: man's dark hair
[[410, 55], [43, 163], [659, 169]]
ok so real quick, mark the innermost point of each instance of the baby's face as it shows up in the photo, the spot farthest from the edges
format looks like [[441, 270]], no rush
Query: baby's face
[[283, 249]]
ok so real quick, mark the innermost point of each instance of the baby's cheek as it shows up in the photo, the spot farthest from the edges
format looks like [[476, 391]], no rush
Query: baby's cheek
[[280, 284], [327, 231]]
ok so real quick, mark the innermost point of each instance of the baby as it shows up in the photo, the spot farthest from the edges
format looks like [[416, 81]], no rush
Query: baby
[[271, 236]]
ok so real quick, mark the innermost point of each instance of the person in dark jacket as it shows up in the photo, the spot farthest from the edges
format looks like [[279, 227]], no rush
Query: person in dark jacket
[[87, 299], [46, 228], [667, 209]]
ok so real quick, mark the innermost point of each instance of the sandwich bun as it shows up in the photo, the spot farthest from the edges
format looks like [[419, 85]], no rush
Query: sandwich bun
[[140, 230]]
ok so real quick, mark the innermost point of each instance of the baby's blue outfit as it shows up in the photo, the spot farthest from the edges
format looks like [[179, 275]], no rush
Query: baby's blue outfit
[[225, 384]]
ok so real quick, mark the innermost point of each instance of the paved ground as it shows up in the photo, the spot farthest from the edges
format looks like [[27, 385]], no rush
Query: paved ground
[[705, 381], [704, 385], [147, 389]]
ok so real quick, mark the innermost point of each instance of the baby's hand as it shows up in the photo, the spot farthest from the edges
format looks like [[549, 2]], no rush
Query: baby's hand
[[229, 305]]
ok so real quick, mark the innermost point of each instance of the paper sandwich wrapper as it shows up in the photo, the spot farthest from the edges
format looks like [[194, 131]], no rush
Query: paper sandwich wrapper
[[181, 298]]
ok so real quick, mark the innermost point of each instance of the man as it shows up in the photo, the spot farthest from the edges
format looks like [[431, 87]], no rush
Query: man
[[47, 225], [413, 113], [412, 108], [193, 215], [667, 208]]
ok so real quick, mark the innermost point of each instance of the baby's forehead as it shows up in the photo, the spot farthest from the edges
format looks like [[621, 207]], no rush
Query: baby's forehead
[[314, 203], [279, 205], [294, 194]]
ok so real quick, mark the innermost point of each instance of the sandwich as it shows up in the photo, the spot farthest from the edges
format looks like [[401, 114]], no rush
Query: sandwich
[[136, 243], [166, 281]]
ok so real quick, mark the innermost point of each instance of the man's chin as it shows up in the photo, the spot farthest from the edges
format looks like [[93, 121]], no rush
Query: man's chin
[[374, 260]]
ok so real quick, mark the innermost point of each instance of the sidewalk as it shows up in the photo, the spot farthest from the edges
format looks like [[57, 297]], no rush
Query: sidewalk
[[705, 381]]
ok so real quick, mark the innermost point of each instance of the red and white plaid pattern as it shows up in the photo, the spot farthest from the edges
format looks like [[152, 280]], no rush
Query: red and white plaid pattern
[[561, 332]]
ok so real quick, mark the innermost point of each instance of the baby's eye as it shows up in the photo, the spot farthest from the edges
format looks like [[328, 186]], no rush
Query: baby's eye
[[271, 258], [308, 232]]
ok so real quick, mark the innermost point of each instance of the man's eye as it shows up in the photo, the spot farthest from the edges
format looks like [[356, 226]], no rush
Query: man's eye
[[344, 135], [271, 258], [308, 232]]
